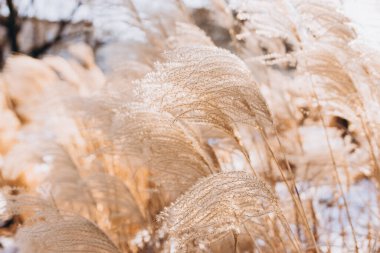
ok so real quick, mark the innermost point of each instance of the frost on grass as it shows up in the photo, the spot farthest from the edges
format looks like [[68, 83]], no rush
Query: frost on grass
[[215, 206]]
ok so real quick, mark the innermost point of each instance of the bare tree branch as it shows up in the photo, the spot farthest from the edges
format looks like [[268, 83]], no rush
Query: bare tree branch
[[39, 50], [3, 21], [12, 26]]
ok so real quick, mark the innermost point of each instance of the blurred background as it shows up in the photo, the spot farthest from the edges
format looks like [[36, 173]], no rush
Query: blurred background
[[38, 27]]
